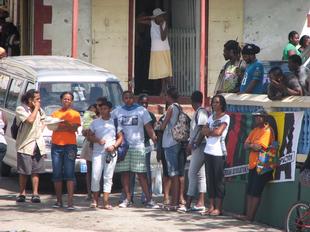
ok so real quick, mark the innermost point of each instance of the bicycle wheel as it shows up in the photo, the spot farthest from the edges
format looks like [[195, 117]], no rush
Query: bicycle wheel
[[298, 217]]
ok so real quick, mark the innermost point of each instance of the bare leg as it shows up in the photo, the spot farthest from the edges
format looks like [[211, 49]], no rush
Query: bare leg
[[166, 187], [254, 203], [35, 184], [70, 189], [95, 199], [58, 191], [143, 183], [218, 208], [212, 205], [22, 184], [201, 200], [106, 200], [126, 183], [175, 190], [181, 190]]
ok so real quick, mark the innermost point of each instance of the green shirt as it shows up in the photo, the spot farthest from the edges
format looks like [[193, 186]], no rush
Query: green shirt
[[288, 48]]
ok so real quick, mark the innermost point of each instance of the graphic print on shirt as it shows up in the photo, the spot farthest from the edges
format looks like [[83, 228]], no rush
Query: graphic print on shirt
[[216, 124], [131, 120]]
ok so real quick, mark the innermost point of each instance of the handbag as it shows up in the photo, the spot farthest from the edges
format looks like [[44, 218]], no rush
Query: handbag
[[267, 159], [122, 149]]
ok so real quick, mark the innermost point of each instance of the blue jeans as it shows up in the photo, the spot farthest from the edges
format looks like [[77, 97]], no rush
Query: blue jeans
[[175, 160], [63, 161]]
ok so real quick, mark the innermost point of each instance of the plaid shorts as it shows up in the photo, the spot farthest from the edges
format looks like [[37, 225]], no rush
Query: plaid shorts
[[134, 161]]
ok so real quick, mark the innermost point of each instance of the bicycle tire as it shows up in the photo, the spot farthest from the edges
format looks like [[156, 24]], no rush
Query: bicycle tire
[[296, 218]]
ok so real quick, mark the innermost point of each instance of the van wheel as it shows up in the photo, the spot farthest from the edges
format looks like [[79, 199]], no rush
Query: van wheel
[[5, 169]]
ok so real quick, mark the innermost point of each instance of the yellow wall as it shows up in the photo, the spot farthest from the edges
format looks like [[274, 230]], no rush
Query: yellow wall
[[225, 23], [110, 36]]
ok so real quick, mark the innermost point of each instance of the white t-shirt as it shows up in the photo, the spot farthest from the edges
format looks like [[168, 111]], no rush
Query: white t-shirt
[[168, 140], [213, 146], [132, 123], [157, 44], [201, 118], [104, 129]]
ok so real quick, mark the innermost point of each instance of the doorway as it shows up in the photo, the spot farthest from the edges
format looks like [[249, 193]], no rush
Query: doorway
[[183, 20]]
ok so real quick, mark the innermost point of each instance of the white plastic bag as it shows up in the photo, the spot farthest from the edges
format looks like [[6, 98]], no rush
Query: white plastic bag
[[157, 180]]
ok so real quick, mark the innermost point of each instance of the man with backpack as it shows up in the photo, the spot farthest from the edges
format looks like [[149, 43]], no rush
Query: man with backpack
[[30, 145], [174, 156]]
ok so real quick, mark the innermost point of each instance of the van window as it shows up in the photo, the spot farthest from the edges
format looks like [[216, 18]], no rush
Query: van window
[[4, 83], [15, 89], [84, 93], [30, 86]]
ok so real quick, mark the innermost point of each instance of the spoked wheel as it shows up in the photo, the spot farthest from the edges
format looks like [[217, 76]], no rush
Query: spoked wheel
[[298, 217]]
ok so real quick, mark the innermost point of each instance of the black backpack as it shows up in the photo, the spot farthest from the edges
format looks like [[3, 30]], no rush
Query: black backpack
[[14, 128]]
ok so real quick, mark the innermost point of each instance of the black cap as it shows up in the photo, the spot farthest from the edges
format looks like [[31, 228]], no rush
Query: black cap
[[250, 49]]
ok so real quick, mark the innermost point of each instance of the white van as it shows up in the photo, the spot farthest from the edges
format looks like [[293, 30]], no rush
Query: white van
[[51, 75]]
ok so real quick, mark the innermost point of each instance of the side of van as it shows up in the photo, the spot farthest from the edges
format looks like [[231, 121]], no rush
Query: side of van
[[51, 75]]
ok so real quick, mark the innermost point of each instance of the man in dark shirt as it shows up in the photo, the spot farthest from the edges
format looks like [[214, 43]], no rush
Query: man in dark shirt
[[282, 85]]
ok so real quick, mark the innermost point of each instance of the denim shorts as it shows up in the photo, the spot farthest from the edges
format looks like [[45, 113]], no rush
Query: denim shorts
[[175, 160], [63, 161]]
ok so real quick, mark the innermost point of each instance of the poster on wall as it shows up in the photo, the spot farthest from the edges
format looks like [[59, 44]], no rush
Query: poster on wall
[[286, 126]]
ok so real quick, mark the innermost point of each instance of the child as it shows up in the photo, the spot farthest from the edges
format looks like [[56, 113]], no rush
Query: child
[[86, 153]]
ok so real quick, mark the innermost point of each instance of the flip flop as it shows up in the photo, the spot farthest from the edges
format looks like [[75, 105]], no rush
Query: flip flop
[[93, 205], [215, 213], [21, 198], [108, 207], [35, 199]]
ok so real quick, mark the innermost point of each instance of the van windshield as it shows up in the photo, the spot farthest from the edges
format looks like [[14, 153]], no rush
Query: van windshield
[[84, 93]]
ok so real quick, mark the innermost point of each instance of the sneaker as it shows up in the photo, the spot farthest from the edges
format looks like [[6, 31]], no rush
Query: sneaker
[[124, 204], [197, 208], [152, 205], [182, 209], [21, 198]]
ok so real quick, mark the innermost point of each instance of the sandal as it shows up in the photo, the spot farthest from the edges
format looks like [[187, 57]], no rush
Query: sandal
[[93, 205], [108, 207], [215, 213], [35, 199], [206, 212], [57, 205], [21, 198]]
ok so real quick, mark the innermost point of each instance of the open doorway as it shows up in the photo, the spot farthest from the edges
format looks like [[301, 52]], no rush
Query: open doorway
[[143, 49], [183, 21]]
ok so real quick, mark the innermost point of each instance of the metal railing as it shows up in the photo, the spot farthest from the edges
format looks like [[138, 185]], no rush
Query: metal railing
[[183, 48]]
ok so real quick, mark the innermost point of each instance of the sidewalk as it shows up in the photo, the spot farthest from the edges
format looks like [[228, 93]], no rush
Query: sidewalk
[[28, 217]]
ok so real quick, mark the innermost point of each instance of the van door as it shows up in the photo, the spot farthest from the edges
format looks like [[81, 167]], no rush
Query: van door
[[15, 90]]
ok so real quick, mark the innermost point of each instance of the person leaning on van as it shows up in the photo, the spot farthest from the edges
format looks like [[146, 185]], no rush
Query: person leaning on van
[[30, 144], [64, 148]]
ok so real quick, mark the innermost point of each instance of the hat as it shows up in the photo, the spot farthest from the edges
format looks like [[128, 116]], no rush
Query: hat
[[250, 49], [260, 112], [157, 12]]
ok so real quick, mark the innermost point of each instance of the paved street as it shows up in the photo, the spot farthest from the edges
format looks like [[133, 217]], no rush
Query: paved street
[[42, 217]]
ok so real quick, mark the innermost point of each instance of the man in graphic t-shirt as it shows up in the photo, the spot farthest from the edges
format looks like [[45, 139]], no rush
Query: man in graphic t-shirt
[[133, 118]]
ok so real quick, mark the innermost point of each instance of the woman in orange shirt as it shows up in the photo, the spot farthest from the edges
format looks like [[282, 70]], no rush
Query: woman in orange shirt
[[64, 149], [260, 138]]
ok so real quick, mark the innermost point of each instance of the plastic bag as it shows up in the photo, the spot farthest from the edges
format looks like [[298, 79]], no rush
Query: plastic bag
[[157, 180]]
